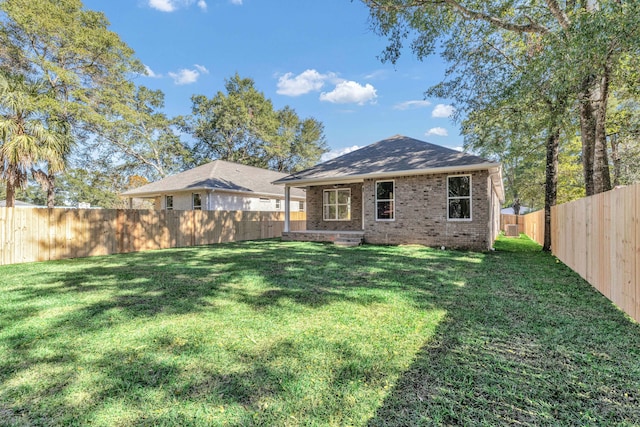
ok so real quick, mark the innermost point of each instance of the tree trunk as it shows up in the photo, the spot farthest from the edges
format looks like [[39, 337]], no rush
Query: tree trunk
[[588, 138], [47, 182], [11, 194], [615, 158], [551, 183], [601, 158]]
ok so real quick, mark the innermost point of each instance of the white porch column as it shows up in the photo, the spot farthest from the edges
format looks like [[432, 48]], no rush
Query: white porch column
[[287, 207]]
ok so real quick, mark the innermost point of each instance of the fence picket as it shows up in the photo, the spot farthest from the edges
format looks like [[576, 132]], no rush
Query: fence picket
[[31, 234], [599, 237]]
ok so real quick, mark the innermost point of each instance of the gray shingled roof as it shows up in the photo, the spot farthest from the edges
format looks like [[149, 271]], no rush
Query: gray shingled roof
[[398, 154], [218, 175]]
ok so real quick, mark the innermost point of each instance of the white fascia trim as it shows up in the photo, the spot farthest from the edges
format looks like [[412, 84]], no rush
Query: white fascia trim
[[492, 167], [210, 190], [248, 193]]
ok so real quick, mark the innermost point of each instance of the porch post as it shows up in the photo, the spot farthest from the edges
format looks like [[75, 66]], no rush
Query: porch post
[[287, 207]]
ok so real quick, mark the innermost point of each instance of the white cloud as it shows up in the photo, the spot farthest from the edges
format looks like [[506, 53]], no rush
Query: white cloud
[[303, 83], [162, 5], [379, 74], [201, 68], [151, 74], [337, 153], [187, 76], [173, 5], [237, 2], [443, 110], [407, 105], [350, 92], [437, 132]]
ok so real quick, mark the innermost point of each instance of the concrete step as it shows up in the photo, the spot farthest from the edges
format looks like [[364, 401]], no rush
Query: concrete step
[[348, 241]]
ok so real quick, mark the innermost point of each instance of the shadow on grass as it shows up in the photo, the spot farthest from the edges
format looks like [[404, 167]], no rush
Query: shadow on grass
[[526, 342], [56, 308]]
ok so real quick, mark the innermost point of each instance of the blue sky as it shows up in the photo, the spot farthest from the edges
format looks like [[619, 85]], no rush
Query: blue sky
[[319, 57]]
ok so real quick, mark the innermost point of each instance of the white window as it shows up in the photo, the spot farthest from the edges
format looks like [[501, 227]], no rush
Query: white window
[[385, 201], [168, 203], [336, 204], [277, 204], [301, 206], [197, 202], [459, 198]]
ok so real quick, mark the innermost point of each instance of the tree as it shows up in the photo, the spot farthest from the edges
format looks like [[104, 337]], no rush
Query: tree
[[25, 137], [70, 49], [242, 126], [297, 144], [79, 185], [589, 40], [138, 139], [232, 126]]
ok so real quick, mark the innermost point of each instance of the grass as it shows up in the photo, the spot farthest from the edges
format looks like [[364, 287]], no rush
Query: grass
[[275, 333]]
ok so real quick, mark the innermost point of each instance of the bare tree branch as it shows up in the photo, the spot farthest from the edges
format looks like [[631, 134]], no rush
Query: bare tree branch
[[532, 27], [559, 14], [467, 13]]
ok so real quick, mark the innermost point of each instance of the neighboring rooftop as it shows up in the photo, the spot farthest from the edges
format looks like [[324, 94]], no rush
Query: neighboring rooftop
[[18, 204], [394, 155], [218, 175]]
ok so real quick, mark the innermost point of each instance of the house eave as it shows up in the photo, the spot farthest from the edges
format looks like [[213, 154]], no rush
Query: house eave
[[348, 179], [152, 194]]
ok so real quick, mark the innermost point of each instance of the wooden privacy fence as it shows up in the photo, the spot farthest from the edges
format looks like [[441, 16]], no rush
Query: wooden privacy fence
[[509, 219], [599, 238], [45, 234], [531, 224]]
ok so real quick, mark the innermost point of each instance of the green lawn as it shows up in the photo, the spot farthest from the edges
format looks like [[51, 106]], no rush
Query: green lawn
[[279, 333]]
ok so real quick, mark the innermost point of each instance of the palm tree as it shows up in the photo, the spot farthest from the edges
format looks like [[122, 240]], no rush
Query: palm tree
[[25, 137]]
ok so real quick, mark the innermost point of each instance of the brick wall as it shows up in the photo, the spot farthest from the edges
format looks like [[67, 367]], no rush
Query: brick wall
[[421, 214], [315, 219]]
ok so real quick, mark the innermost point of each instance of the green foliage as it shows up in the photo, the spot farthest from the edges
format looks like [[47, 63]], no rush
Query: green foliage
[[570, 173], [70, 50], [138, 139], [522, 61], [90, 186], [297, 144], [242, 126], [25, 135]]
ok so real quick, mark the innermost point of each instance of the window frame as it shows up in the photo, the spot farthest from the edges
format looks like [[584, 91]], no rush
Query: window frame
[[469, 197], [301, 205], [167, 206], [337, 204], [392, 200], [193, 201], [278, 204]]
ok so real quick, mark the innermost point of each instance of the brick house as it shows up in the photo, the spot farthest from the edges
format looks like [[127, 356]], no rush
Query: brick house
[[401, 191]]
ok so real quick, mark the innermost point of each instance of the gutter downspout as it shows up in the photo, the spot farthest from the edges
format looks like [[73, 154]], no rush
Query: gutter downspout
[[287, 207]]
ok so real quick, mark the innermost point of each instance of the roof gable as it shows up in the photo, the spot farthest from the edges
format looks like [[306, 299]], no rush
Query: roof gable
[[396, 154], [217, 175]]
